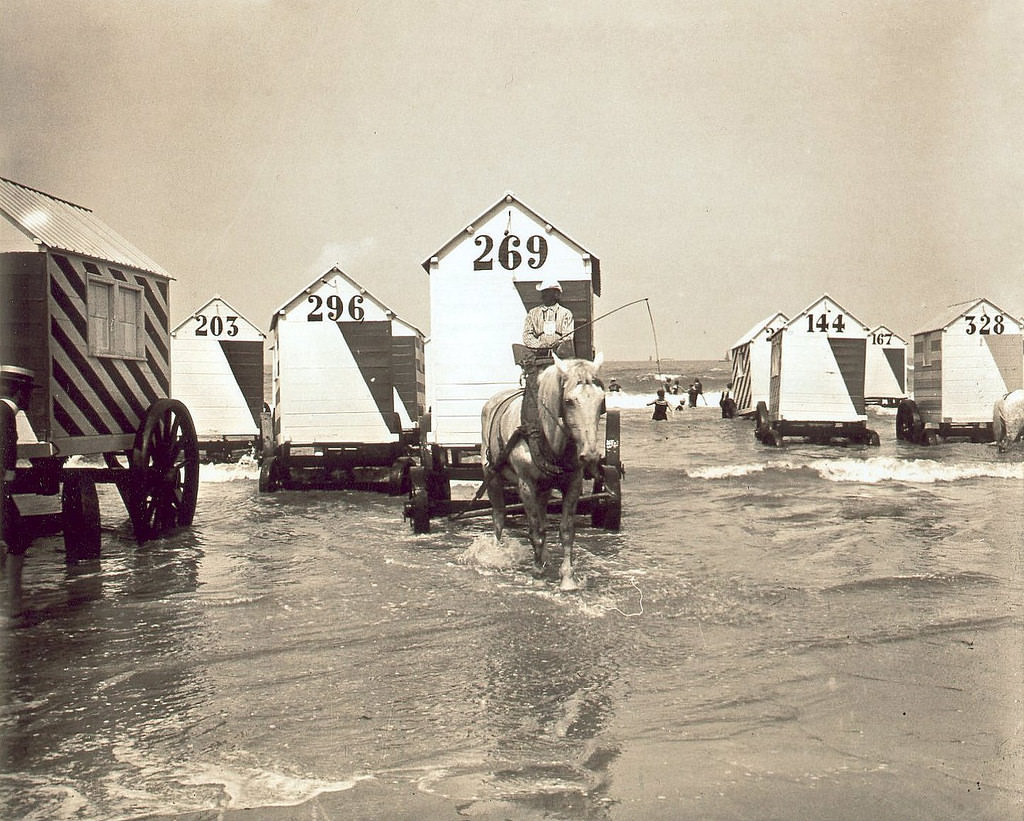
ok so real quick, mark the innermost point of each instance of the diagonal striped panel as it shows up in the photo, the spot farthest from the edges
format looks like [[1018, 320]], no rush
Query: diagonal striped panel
[[102, 395], [71, 276], [741, 387], [95, 396], [87, 419]]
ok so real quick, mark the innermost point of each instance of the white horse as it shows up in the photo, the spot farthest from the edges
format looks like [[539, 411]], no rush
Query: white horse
[[1008, 419], [570, 402]]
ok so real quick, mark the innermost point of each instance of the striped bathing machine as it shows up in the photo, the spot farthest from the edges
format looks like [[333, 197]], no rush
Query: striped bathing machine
[[89, 313], [751, 357]]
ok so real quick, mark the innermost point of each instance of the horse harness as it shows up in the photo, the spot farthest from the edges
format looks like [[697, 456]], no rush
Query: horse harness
[[546, 461]]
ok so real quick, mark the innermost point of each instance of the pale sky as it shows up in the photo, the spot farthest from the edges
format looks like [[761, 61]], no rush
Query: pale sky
[[724, 158]]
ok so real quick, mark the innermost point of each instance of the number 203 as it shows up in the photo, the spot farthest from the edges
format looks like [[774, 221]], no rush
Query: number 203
[[214, 325]]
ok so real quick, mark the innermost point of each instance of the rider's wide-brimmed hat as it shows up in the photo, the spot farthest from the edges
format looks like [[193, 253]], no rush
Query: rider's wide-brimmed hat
[[549, 283], [16, 375]]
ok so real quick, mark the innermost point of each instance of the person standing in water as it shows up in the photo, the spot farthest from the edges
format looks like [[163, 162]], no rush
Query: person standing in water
[[661, 407], [15, 391]]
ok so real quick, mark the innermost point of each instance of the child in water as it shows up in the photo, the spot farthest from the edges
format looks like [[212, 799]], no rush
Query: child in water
[[661, 406]]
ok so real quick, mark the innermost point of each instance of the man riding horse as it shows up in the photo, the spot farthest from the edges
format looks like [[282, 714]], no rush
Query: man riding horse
[[548, 328]]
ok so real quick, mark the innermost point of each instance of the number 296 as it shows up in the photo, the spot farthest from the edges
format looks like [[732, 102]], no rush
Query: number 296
[[336, 308]]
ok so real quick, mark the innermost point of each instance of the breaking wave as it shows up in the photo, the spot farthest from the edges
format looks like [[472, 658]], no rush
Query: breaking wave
[[870, 471]]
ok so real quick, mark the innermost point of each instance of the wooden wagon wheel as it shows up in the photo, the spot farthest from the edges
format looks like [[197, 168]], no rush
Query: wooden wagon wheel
[[761, 422], [418, 507], [270, 475], [163, 471], [607, 511], [909, 424]]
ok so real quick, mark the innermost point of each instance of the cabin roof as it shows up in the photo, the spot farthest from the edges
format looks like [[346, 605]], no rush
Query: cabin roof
[[820, 299], [884, 329], [336, 271], [60, 225], [509, 197], [207, 304], [954, 312], [755, 332]]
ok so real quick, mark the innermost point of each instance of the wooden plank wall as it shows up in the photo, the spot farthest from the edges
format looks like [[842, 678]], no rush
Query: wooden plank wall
[[24, 340]]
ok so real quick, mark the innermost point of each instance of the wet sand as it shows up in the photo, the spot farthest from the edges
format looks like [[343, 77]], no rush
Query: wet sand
[[927, 728]]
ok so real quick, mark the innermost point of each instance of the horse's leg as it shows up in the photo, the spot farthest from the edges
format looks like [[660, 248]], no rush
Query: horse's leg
[[999, 428], [496, 493], [535, 505], [567, 530]]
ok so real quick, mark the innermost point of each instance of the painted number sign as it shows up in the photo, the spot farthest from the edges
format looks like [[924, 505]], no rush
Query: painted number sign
[[821, 323], [510, 252], [216, 325], [334, 308], [882, 338], [985, 324]]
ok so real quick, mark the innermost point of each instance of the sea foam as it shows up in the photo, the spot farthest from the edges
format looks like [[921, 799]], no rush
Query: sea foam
[[871, 471]]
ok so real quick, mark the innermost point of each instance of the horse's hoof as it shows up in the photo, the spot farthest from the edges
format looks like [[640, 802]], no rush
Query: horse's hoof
[[568, 585]]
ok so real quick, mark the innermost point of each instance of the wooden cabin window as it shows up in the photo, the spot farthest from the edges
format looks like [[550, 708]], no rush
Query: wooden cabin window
[[115, 319], [101, 295]]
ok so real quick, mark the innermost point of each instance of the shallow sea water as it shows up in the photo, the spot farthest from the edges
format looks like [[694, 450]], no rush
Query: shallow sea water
[[798, 632]]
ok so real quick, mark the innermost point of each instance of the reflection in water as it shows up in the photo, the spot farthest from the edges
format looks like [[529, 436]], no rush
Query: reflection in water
[[549, 701], [102, 673]]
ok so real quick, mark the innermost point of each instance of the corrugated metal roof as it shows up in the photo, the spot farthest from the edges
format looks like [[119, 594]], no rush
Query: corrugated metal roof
[[61, 225]]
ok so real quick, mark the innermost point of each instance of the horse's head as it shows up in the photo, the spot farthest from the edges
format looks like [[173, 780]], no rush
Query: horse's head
[[582, 403]]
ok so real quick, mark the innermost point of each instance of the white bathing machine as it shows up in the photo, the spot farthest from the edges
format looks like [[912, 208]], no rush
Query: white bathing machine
[[217, 370], [885, 369], [482, 283], [348, 387], [88, 313], [751, 357], [964, 361], [817, 378]]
